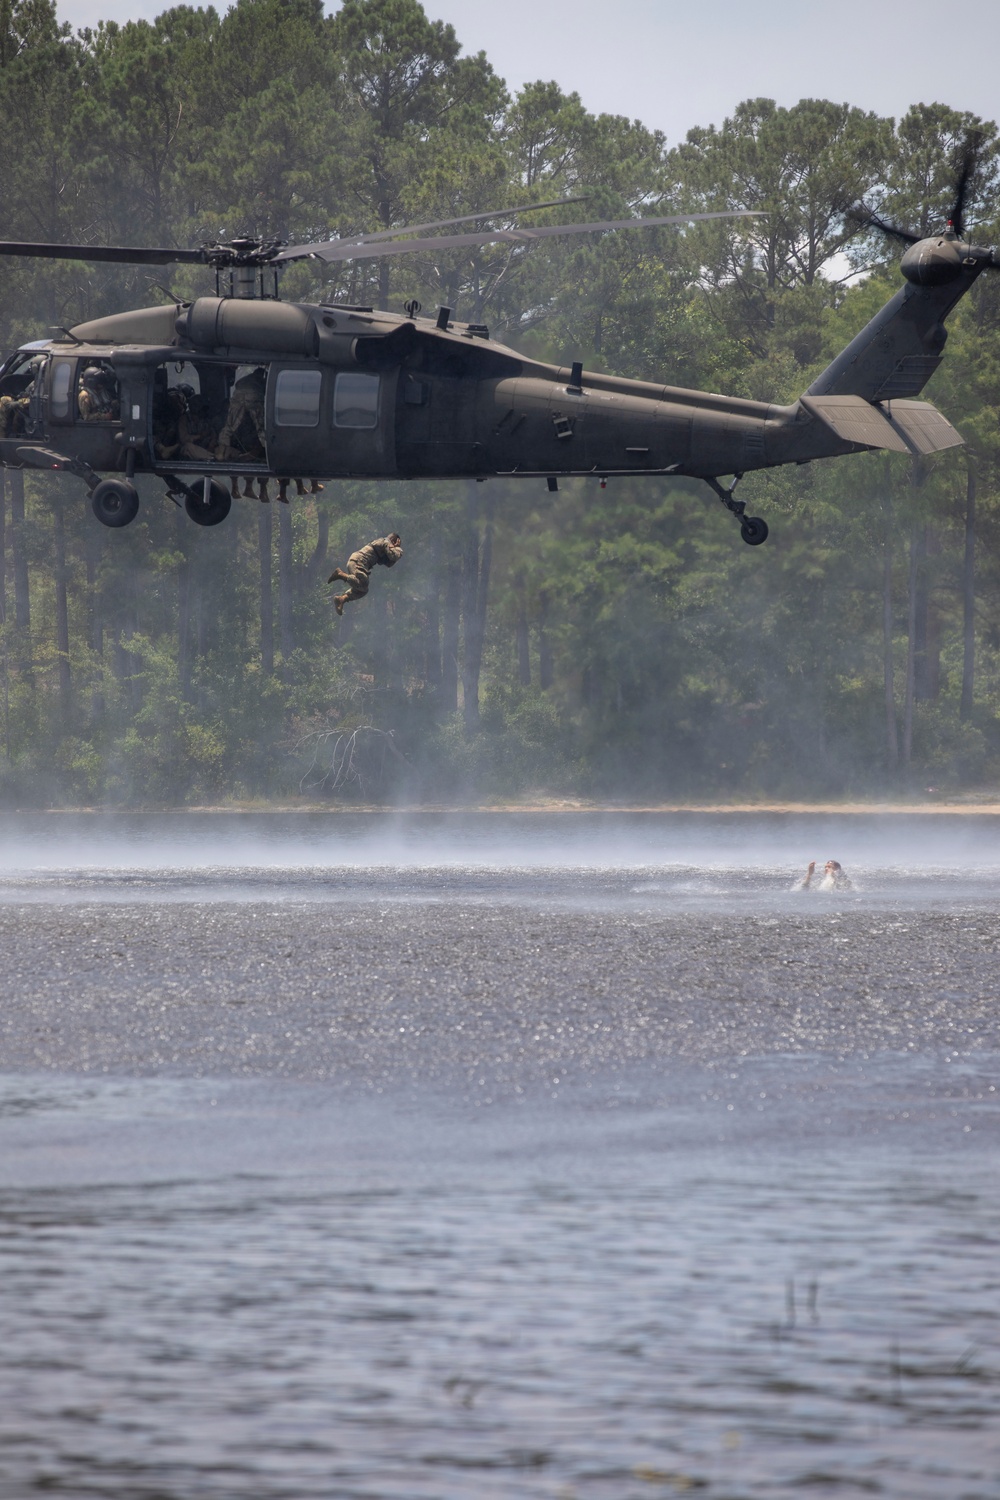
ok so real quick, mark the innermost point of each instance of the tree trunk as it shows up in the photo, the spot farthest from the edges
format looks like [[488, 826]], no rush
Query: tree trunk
[[315, 567], [928, 630], [911, 647], [62, 608], [3, 546], [286, 627], [452, 578], [183, 610], [22, 598], [3, 608], [523, 643], [545, 670], [474, 604], [969, 595], [432, 626], [264, 546], [891, 732], [93, 546]]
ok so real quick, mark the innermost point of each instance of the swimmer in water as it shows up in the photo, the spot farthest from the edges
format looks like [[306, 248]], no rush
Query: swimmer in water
[[834, 878]]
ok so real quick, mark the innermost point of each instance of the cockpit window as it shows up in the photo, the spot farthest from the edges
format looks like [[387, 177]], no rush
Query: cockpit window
[[355, 401], [62, 379]]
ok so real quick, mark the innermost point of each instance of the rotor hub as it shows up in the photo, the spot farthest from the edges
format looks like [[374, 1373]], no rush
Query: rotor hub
[[934, 262]]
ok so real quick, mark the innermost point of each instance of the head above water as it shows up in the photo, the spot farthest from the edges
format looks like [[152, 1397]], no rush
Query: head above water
[[394, 537], [833, 865]]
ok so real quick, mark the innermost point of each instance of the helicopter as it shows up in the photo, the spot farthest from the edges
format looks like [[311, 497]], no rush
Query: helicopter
[[330, 390]]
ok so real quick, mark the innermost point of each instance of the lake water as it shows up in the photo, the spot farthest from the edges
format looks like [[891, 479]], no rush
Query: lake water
[[561, 1156]]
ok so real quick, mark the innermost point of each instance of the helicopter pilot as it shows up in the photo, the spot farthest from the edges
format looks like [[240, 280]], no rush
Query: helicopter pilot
[[97, 399]]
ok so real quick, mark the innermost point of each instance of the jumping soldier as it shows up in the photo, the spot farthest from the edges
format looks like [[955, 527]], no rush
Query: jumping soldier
[[384, 552]]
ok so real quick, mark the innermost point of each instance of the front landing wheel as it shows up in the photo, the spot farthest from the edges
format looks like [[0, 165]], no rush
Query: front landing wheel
[[753, 531]]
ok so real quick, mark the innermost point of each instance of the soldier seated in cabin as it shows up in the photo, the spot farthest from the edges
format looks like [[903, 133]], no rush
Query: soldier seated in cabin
[[97, 399], [196, 430], [168, 409], [242, 436]]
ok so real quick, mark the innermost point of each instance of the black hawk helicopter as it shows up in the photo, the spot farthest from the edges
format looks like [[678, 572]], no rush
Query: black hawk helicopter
[[243, 385]]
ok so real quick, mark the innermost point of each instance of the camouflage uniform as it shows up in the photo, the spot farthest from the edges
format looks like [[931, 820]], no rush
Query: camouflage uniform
[[243, 434], [96, 399], [13, 414], [380, 553], [196, 432]]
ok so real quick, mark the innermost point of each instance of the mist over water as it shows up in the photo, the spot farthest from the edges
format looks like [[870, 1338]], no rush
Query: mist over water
[[556, 1155]]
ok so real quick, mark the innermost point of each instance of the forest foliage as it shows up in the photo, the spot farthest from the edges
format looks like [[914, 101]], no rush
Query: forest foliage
[[616, 642]]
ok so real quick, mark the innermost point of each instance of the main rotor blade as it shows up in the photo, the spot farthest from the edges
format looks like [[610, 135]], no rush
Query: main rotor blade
[[866, 218], [334, 250], [124, 254], [496, 213]]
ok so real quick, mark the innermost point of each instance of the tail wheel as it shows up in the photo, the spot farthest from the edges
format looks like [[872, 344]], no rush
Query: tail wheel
[[115, 502], [753, 531], [208, 503]]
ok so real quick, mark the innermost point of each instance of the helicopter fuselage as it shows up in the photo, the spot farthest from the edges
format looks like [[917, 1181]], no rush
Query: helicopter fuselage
[[351, 393]]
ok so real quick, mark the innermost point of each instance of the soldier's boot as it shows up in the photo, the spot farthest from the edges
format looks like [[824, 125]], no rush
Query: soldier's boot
[[339, 603], [339, 573], [234, 486], [265, 493], [315, 487], [248, 490], [283, 491]]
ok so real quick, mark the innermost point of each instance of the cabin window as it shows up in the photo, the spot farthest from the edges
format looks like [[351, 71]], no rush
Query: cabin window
[[62, 384], [296, 398], [355, 401]]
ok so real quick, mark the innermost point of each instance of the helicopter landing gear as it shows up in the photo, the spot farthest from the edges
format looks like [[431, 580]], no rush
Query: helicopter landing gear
[[208, 503], [115, 502], [752, 529]]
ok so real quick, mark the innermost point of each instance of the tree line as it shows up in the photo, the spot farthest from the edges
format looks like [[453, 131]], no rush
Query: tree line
[[602, 642]]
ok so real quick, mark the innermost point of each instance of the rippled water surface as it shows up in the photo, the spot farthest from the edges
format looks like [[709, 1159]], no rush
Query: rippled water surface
[[499, 1157]]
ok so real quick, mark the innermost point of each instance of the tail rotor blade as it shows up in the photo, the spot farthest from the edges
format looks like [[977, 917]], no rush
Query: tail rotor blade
[[956, 214]]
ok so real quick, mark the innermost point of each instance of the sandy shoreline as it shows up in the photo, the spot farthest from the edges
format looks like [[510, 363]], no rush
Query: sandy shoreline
[[545, 806]]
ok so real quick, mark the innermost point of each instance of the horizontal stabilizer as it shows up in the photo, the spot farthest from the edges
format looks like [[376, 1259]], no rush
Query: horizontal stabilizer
[[855, 420], [923, 426]]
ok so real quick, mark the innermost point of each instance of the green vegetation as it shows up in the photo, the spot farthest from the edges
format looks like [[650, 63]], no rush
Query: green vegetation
[[595, 642]]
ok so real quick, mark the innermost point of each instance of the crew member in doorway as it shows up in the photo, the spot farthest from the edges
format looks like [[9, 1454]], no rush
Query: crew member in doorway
[[242, 437], [384, 552]]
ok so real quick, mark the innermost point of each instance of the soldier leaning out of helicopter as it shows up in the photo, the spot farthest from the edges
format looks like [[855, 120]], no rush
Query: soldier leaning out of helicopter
[[384, 552], [97, 398], [14, 406]]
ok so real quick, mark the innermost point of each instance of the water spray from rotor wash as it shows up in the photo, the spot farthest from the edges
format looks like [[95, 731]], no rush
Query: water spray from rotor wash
[[757, 847]]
